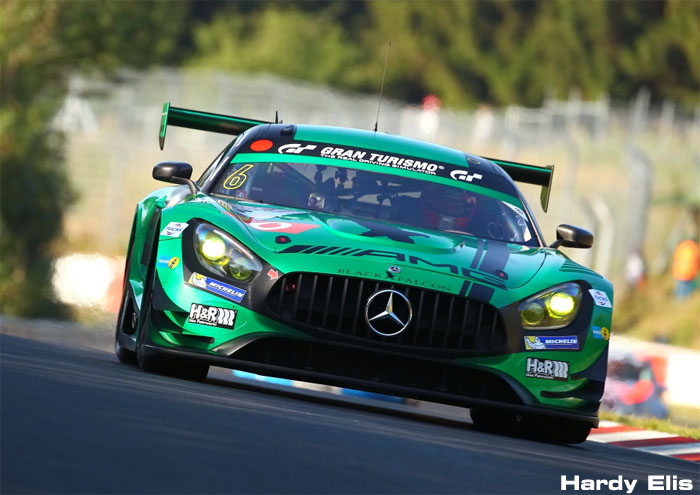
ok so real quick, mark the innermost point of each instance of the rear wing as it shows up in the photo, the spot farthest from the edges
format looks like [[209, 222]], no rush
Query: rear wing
[[529, 174], [203, 121]]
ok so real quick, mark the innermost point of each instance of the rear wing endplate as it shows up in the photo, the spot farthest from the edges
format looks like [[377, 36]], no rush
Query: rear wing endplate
[[203, 121], [529, 174]]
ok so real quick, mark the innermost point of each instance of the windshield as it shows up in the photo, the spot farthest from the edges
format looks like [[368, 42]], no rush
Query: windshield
[[387, 197]]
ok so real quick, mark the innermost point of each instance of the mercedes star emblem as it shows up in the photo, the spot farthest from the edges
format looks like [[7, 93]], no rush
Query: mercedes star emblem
[[390, 312]]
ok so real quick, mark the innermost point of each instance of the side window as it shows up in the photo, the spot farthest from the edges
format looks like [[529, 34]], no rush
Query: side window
[[213, 166]]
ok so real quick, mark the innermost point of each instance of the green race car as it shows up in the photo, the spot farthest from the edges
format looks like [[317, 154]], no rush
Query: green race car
[[367, 261]]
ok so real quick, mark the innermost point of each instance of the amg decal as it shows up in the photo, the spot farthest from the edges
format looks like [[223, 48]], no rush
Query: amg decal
[[476, 275]]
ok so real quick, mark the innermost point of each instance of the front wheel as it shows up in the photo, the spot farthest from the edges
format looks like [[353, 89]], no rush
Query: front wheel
[[126, 323], [542, 428], [150, 359]]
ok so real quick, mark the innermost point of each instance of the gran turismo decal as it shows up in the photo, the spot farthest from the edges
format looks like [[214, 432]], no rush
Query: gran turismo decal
[[600, 298], [601, 333], [492, 261], [173, 229], [212, 316], [394, 278], [216, 287], [295, 148], [464, 175], [459, 172], [548, 343], [393, 161], [547, 369]]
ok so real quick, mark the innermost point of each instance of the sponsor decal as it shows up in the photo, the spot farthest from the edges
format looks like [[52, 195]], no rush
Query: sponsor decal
[[394, 278], [286, 227], [459, 172], [173, 229], [549, 343], [600, 298], [238, 177], [170, 263], [212, 316], [601, 333], [464, 175], [225, 205], [393, 161], [295, 148], [515, 209], [547, 369], [216, 287], [261, 145], [273, 274]]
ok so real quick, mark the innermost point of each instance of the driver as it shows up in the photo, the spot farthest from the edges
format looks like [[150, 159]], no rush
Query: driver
[[447, 208]]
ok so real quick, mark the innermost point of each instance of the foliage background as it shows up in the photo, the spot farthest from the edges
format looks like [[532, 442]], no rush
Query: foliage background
[[469, 53]]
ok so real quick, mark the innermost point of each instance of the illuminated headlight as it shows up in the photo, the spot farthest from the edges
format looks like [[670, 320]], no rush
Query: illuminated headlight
[[551, 309], [221, 254]]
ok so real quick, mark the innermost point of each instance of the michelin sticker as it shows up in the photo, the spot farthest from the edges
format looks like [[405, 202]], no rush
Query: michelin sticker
[[601, 333], [212, 316], [216, 287], [600, 298], [535, 343], [547, 369], [173, 229]]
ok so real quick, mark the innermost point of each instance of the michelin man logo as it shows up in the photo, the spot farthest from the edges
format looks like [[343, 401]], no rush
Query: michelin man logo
[[295, 148], [547, 369], [533, 342]]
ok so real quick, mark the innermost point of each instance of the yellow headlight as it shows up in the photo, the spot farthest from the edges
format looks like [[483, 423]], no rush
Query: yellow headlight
[[532, 314], [213, 248], [561, 304]]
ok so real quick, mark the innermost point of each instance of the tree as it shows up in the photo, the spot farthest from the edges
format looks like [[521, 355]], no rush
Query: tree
[[40, 43]]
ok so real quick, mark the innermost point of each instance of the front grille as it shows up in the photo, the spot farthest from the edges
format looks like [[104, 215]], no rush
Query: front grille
[[337, 305]]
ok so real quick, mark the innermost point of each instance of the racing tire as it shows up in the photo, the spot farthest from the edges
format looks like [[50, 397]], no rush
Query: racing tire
[[494, 420], [555, 430], [125, 320], [149, 359]]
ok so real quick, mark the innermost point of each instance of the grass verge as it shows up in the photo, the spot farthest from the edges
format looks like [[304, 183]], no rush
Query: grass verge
[[664, 425]]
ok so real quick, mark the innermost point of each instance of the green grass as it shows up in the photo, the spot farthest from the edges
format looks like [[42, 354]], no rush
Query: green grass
[[665, 425], [671, 321]]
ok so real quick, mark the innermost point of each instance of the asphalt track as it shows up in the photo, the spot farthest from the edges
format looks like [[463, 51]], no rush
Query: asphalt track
[[74, 420]]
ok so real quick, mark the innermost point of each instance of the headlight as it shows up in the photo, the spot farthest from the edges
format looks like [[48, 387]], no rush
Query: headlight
[[551, 309], [221, 254]]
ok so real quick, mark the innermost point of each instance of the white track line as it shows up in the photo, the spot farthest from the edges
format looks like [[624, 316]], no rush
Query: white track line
[[623, 436]]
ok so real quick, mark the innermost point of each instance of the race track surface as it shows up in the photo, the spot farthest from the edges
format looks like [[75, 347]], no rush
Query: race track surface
[[74, 420]]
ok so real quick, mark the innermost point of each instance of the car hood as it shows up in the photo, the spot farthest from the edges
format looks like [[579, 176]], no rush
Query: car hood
[[303, 240]]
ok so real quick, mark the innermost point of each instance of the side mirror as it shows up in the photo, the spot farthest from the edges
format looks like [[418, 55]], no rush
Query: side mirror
[[571, 236], [175, 172]]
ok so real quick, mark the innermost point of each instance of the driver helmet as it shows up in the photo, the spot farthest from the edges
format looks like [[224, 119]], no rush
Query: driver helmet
[[448, 208]]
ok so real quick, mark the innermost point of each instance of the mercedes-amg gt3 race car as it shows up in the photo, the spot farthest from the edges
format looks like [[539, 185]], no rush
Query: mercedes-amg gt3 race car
[[367, 261]]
